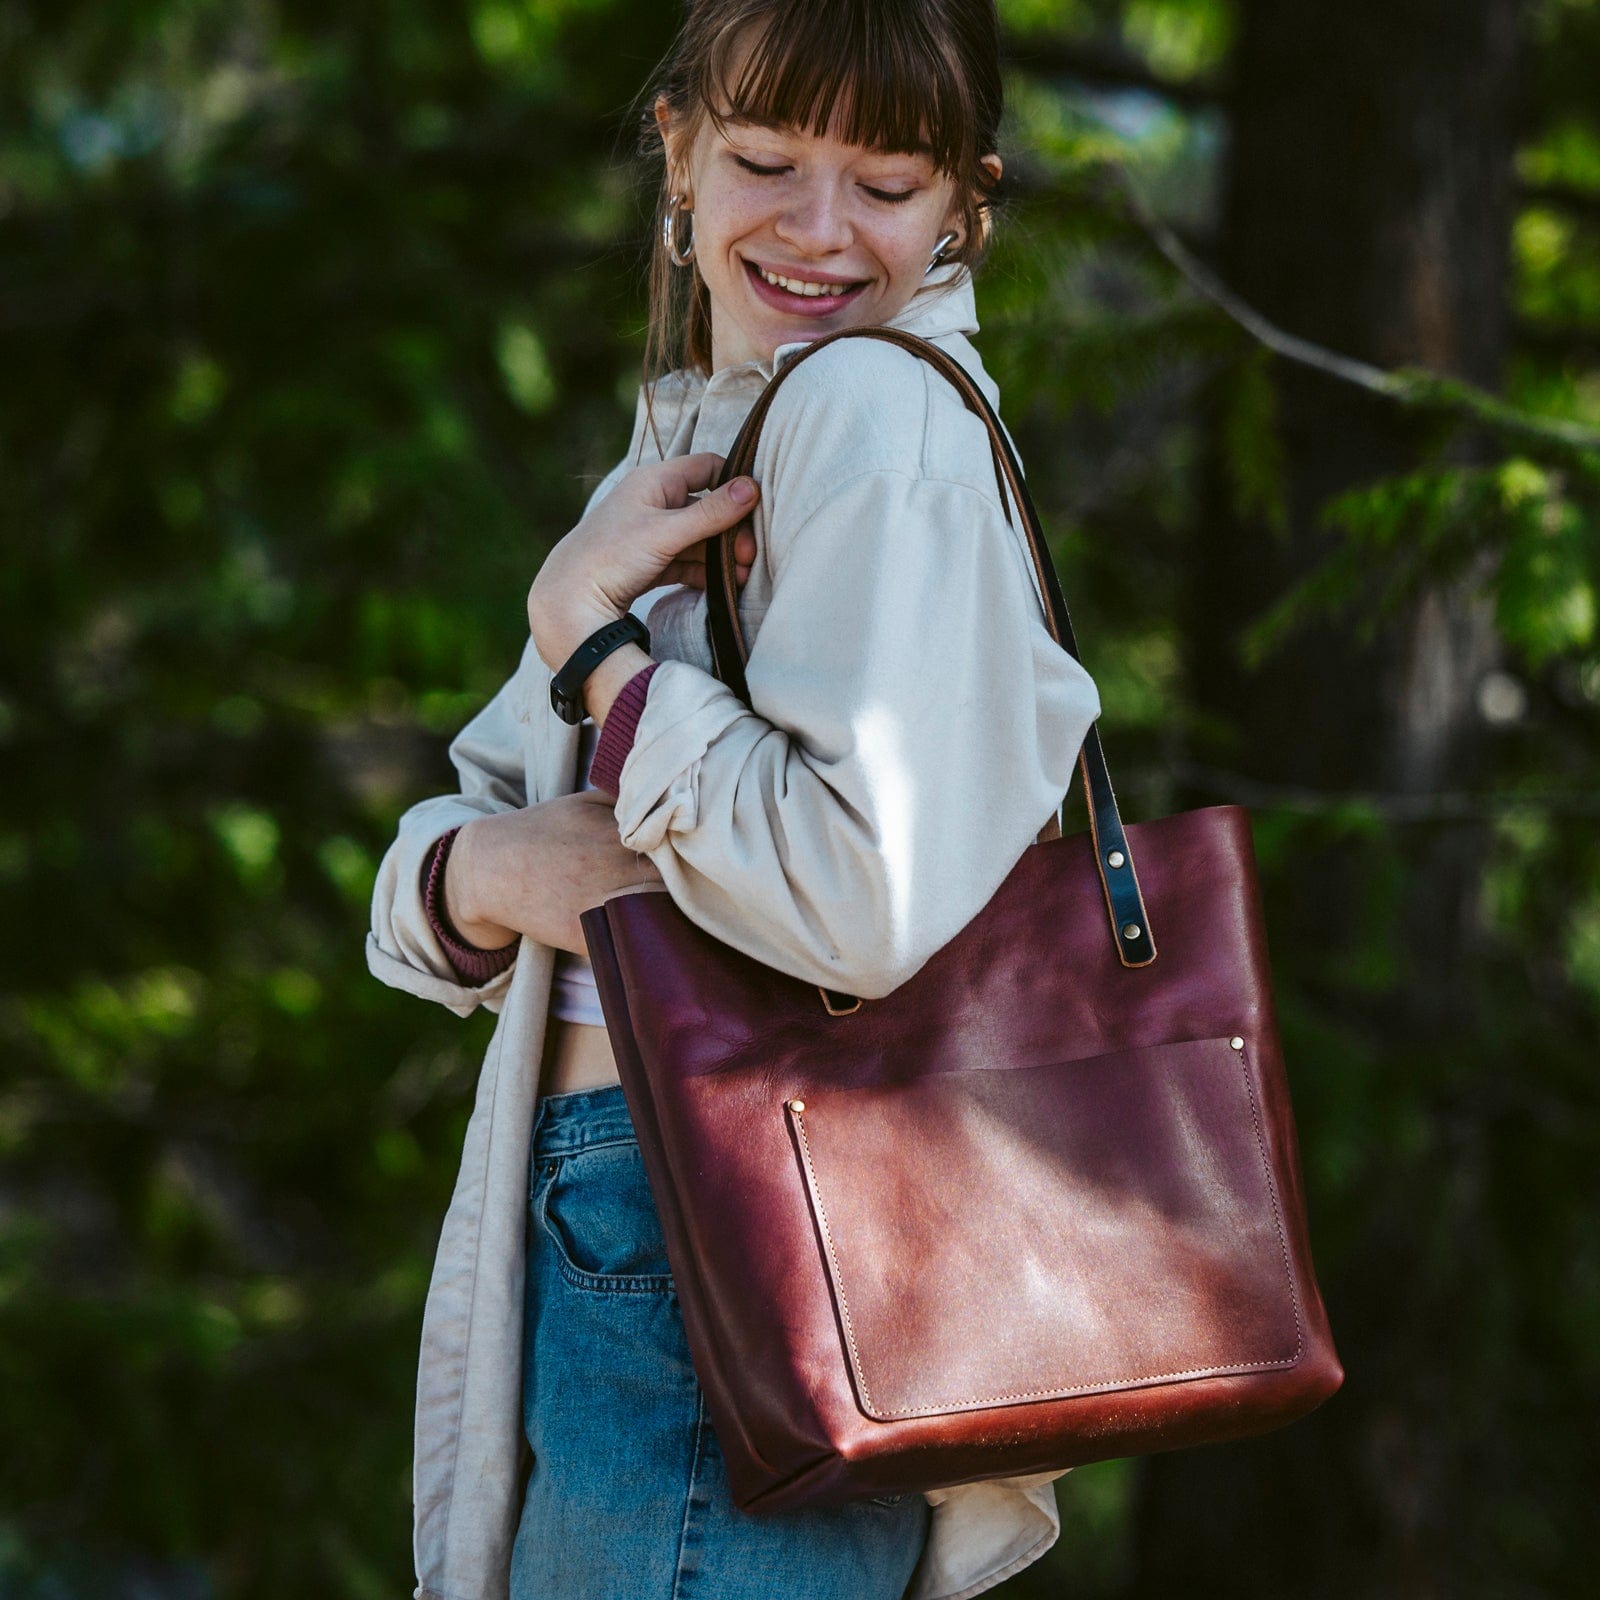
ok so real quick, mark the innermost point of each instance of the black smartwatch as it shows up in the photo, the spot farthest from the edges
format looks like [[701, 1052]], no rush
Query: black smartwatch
[[566, 687]]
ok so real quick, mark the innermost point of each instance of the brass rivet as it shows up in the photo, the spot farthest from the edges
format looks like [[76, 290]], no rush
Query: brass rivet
[[1130, 930], [1115, 859], [797, 1105], [1237, 1042]]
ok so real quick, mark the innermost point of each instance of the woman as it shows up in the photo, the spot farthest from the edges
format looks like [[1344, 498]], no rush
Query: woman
[[914, 728]]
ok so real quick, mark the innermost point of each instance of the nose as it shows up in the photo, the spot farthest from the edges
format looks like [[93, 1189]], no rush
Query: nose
[[813, 223]]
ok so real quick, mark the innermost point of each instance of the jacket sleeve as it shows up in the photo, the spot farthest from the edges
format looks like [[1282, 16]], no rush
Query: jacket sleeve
[[915, 725], [402, 948]]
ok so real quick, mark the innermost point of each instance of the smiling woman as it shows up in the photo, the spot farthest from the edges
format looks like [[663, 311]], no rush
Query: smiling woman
[[820, 226], [829, 146], [823, 167]]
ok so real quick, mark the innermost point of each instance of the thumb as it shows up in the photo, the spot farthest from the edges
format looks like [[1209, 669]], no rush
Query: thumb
[[724, 507]]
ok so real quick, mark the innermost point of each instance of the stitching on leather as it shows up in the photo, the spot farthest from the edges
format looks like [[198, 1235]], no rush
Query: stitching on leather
[[1277, 1211], [813, 1183], [827, 1234]]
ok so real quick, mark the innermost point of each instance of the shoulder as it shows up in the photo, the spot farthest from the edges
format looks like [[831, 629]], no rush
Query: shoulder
[[863, 406], [864, 400]]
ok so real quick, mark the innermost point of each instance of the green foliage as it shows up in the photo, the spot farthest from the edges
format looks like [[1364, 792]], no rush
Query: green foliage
[[317, 326], [300, 386], [1182, 38], [1251, 446], [1557, 258], [1567, 152], [1539, 529]]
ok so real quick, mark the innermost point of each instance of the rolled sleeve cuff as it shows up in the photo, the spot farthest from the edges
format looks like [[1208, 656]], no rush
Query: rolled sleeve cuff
[[616, 737], [473, 964], [461, 998]]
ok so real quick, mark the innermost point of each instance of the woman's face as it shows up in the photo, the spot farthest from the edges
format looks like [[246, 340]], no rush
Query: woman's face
[[826, 216]]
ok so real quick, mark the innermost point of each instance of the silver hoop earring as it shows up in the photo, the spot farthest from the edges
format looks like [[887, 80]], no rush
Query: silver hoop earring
[[939, 251], [679, 257]]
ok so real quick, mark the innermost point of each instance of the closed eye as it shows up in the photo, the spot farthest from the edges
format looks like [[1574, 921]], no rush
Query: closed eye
[[877, 194], [764, 172]]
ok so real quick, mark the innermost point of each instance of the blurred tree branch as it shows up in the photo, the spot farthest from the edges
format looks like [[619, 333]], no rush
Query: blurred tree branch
[[1416, 388]]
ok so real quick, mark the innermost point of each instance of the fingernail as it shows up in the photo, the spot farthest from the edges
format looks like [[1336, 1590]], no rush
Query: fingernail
[[742, 490]]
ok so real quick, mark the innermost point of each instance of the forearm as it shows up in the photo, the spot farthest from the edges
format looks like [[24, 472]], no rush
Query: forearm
[[535, 871], [485, 889], [465, 875], [483, 880], [404, 946]]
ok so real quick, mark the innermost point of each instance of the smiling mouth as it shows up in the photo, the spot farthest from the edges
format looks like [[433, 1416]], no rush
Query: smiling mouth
[[805, 289]]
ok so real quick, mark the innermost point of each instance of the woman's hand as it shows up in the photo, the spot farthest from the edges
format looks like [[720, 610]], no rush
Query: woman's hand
[[532, 871], [648, 531]]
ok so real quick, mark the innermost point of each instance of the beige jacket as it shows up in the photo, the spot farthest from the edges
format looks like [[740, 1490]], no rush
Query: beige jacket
[[915, 727]]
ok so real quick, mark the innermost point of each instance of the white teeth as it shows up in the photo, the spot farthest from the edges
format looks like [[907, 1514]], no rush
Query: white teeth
[[801, 287]]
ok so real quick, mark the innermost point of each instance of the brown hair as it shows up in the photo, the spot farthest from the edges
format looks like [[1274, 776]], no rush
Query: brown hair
[[905, 71]]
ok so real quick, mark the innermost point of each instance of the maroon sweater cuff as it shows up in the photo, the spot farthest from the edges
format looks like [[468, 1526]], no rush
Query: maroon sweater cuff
[[473, 964], [616, 737]]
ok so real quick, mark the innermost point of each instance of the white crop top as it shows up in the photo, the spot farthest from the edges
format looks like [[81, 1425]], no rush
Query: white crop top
[[573, 996]]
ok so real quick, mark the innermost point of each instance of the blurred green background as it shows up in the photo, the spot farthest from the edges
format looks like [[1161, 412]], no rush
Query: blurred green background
[[318, 322]]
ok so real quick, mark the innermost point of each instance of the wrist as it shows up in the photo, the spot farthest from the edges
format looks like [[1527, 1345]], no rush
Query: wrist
[[473, 921], [556, 636], [606, 682]]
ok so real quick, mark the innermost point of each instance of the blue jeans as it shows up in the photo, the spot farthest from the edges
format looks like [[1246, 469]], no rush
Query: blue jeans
[[628, 1496]]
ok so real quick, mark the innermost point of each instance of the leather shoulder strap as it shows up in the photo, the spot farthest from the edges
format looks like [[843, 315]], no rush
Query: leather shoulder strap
[[1130, 927]]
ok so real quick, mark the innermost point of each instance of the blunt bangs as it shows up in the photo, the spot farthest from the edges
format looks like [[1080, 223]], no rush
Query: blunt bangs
[[890, 81], [914, 77]]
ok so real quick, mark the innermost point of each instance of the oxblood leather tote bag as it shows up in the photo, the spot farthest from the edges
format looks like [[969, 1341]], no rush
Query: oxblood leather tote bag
[[1039, 1206]]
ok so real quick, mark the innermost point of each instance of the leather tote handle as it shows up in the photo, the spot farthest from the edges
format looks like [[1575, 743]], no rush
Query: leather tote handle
[[1130, 924]]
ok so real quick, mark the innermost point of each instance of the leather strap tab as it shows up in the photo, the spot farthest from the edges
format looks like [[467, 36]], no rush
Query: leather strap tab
[[1130, 923]]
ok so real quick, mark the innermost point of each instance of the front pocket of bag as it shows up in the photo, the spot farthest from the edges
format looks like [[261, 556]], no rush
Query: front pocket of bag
[[997, 1237], [597, 1213]]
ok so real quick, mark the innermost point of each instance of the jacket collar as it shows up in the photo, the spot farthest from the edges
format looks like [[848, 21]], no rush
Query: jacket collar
[[943, 308], [943, 304]]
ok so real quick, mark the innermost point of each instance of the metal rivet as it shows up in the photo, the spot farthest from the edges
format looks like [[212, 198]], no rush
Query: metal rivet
[[1237, 1042], [1131, 930], [1115, 859], [797, 1105]]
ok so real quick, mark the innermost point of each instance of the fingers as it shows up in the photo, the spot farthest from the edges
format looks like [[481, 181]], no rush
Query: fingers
[[744, 551], [678, 479], [690, 566], [726, 507], [692, 575], [681, 476]]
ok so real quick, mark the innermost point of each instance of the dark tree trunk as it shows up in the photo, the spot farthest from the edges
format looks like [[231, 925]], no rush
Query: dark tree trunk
[[1368, 208]]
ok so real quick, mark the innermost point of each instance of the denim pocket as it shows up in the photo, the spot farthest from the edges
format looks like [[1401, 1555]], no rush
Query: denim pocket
[[595, 1208]]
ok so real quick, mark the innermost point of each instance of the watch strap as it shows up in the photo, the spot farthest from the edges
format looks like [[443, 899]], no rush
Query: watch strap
[[566, 687]]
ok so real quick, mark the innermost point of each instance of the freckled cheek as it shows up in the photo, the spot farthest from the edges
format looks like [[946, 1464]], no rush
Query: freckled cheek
[[900, 263], [736, 225]]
